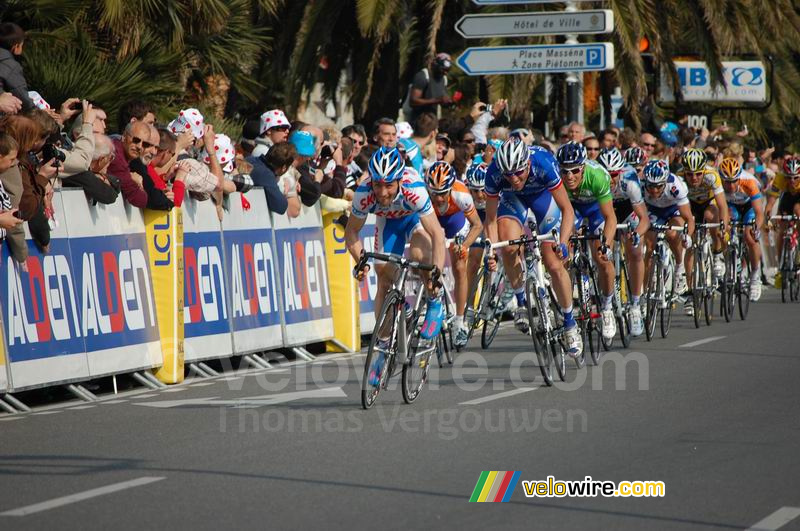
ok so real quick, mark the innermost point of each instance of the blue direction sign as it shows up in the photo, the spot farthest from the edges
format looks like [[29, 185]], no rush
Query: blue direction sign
[[537, 59]]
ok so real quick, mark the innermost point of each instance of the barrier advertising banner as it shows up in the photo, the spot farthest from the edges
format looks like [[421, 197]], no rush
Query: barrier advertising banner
[[303, 277], [250, 268], [165, 245], [343, 287], [206, 311]]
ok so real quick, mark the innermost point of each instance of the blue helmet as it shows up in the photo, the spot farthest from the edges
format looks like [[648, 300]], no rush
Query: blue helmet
[[386, 165], [476, 176], [571, 154], [656, 172]]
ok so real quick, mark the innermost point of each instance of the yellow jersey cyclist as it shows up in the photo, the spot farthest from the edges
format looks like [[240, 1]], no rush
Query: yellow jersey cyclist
[[785, 189], [743, 193], [459, 218], [708, 205], [396, 195], [629, 207], [667, 201], [522, 178], [589, 189]]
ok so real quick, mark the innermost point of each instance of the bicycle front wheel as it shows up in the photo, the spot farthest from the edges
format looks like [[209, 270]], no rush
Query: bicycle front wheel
[[651, 298], [491, 319], [542, 355], [743, 282], [382, 346], [415, 371], [698, 293], [670, 280]]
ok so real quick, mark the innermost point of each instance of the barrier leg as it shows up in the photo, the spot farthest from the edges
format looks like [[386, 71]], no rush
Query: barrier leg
[[251, 361], [80, 393], [197, 370], [14, 401], [7, 407], [208, 369], [144, 381], [303, 354]]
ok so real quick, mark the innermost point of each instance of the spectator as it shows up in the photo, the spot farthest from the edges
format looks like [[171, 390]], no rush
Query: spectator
[[130, 147], [608, 138], [626, 139], [443, 144], [95, 180], [428, 89], [8, 160], [385, 133], [592, 147], [98, 124], [265, 171], [425, 129], [80, 157], [648, 143], [225, 155], [273, 129], [250, 133], [468, 139], [35, 176], [348, 157], [135, 111], [160, 168], [357, 134], [483, 116], [12, 79], [309, 179], [156, 197], [576, 132]]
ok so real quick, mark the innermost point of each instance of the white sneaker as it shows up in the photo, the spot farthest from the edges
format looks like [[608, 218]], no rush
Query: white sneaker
[[521, 319], [637, 323], [755, 291], [609, 323], [574, 341], [719, 265], [688, 305], [680, 285], [462, 337]]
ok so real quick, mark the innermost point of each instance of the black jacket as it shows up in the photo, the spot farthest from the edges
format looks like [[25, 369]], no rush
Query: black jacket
[[12, 79], [96, 189]]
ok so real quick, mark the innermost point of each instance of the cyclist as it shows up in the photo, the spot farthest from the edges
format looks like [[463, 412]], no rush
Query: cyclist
[[522, 178], [785, 186], [666, 197], [636, 158], [630, 208], [704, 186], [589, 189], [743, 194], [459, 218], [397, 196]]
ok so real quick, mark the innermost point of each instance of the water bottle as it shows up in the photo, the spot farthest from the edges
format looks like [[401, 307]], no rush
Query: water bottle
[[585, 282]]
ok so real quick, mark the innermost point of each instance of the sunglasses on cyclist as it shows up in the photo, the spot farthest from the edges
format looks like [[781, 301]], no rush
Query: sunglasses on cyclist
[[592, 148], [571, 171], [137, 140], [651, 186], [517, 173], [793, 177]]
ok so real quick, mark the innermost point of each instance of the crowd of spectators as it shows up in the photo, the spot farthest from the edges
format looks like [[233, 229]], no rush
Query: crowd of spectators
[[152, 165]]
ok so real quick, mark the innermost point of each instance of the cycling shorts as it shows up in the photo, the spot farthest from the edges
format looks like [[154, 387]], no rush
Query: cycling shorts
[[454, 224], [545, 210], [662, 215], [391, 235], [787, 203], [699, 210], [744, 213], [591, 214]]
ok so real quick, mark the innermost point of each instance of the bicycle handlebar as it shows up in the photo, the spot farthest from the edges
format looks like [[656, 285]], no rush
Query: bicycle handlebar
[[664, 228], [522, 240], [786, 218], [399, 260], [720, 225]]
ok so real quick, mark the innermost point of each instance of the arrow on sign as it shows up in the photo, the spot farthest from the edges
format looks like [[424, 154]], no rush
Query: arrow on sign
[[532, 24], [265, 400], [538, 59]]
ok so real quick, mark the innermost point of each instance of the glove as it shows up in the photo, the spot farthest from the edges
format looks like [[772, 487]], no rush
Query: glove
[[561, 250], [605, 250], [636, 239], [756, 234], [727, 237], [687, 242]]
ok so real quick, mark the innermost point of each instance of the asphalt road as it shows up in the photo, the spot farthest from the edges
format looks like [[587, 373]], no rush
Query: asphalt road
[[717, 422]]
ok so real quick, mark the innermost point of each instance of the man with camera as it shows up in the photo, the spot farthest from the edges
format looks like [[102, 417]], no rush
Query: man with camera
[[428, 90]]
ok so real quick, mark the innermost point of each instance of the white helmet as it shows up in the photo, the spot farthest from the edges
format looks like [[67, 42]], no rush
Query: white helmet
[[512, 156]]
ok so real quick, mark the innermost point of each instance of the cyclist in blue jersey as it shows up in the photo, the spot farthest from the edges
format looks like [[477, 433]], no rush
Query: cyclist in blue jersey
[[397, 196], [521, 178]]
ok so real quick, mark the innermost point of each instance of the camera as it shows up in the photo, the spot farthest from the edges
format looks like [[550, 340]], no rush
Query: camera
[[485, 108], [50, 151], [327, 151]]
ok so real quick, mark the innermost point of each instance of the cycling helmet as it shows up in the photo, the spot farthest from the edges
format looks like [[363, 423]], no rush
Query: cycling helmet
[[792, 166], [730, 169], [694, 160], [571, 154], [656, 172], [440, 177], [512, 156], [386, 165], [611, 159], [635, 156], [476, 176]]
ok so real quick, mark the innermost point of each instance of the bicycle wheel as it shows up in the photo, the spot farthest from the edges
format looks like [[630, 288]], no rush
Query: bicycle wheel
[[698, 293], [728, 286], [415, 371], [709, 293], [484, 286], [670, 280], [651, 298], [491, 321], [542, 355], [743, 285], [794, 281], [586, 322], [624, 327], [389, 318]]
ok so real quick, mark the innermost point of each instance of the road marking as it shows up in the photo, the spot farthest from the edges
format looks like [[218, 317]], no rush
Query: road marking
[[118, 401], [146, 395], [174, 390], [202, 384], [76, 408], [46, 413], [702, 341], [264, 400], [776, 520], [80, 496], [6, 419], [497, 396]]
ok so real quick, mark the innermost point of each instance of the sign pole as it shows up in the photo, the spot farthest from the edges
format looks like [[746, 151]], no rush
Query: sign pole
[[573, 79]]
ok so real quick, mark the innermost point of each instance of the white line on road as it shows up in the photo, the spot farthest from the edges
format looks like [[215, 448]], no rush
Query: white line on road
[[702, 341], [497, 396], [80, 496], [118, 401], [776, 520]]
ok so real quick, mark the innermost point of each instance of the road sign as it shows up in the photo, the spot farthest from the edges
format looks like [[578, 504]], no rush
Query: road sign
[[532, 24], [537, 59], [503, 2]]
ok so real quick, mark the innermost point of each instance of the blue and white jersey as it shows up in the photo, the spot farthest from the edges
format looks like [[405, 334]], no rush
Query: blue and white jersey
[[544, 175], [413, 153], [412, 198], [675, 194], [629, 188]]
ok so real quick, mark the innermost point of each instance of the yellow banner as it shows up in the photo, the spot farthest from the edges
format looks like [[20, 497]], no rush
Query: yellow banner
[[344, 288], [165, 247]]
